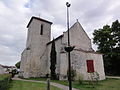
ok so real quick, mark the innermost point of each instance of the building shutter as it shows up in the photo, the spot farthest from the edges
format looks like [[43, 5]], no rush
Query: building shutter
[[90, 66]]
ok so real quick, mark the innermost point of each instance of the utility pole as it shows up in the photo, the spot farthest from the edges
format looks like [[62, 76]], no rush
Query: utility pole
[[69, 48]]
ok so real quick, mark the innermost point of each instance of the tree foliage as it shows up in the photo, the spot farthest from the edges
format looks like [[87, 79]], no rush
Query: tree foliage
[[53, 61], [18, 64], [108, 41]]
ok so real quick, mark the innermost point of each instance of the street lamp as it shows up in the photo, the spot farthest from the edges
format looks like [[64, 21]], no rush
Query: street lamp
[[69, 49]]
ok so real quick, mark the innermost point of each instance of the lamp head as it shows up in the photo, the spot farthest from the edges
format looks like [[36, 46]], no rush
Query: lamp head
[[67, 4]]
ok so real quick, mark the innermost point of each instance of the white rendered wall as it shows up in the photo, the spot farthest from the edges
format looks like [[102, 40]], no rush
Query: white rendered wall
[[2, 70]]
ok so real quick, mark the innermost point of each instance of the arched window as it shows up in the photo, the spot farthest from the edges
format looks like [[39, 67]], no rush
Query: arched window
[[41, 31]]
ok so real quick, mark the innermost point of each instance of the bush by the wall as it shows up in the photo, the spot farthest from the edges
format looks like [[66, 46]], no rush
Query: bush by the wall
[[14, 72], [80, 79], [73, 74], [5, 81]]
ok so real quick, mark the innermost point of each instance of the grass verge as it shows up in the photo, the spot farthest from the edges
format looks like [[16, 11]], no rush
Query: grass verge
[[24, 85], [108, 84], [5, 81]]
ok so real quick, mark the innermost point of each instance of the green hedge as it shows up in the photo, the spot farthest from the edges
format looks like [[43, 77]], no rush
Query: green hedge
[[5, 81]]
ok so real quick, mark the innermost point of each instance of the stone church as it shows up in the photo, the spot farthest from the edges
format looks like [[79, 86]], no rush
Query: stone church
[[35, 59]]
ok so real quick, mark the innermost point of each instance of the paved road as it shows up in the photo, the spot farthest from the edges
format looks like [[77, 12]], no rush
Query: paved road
[[63, 87]]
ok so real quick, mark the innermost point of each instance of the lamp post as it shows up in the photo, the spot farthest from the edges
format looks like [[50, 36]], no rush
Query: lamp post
[[68, 5], [69, 49]]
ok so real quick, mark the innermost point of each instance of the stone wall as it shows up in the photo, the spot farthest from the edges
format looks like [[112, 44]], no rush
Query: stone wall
[[35, 59], [34, 56], [78, 37], [78, 63]]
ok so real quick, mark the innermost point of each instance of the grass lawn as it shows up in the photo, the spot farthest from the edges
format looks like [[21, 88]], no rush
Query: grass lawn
[[24, 85], [108, 84], [3, 76]]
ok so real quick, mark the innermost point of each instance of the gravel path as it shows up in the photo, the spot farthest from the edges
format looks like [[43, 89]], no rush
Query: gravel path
[[63, 87]]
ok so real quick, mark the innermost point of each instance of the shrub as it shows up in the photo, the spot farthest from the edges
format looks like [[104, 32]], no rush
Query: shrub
[[80, 79], [5, 81], [13, 72], [18, 65], [73, 73], [94, 78]]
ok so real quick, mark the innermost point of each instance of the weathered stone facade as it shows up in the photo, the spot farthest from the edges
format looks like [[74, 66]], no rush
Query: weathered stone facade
[[35, 59]]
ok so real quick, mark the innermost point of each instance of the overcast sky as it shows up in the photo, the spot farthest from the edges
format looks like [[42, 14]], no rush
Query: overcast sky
[[15, 14]]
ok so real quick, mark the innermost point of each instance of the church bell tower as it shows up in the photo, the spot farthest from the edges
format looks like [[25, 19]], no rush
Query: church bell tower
[[35, 55]]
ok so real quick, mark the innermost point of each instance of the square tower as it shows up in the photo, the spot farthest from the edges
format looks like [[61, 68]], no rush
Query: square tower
[[34, 60]]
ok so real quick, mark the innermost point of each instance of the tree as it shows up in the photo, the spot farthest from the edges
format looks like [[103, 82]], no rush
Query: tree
[[108, 41], [18, 65], [53, 61]]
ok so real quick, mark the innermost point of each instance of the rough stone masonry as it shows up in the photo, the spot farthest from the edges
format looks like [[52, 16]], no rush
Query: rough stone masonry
[[35, 59]]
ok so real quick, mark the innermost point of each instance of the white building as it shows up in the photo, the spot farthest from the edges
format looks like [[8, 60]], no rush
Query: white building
[[35, 59], [6, 69], [2, 69]]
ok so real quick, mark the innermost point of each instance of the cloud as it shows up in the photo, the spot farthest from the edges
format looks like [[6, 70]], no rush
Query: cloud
[[13, 17], [15, 14], [55, 29]]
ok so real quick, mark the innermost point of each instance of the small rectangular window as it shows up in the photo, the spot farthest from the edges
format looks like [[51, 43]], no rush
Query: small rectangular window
[[41, 31], [90, 66]]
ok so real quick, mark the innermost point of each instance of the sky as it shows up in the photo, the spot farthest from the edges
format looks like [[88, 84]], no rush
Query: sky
[[15, 15]]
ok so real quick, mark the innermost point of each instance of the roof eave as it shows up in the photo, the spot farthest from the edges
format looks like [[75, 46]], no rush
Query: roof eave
[[33, 17]]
